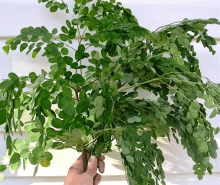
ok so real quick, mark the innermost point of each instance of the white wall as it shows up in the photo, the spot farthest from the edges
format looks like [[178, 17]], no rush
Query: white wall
[[16, 14]]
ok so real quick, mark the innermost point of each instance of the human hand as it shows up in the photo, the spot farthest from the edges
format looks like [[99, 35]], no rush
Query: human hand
[[77, 176]]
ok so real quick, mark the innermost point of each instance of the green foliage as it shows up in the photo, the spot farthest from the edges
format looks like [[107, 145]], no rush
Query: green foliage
[[87, 112]]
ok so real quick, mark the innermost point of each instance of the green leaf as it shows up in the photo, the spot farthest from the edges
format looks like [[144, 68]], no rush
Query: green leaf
[[48, 156], [214, 113], [78, 1], [58, 146], [67, 92], [68, 108], [6, 49], [203, 147], [82, 107], [64, 51], [78, 79], [1, 177], [32, 75], [25, 153], [5, 84], [77, 133], [54, 31], [103, 38], [209, 103], [57, 123], [82, 95], [113, 88], [15, 158], [49, 4], [45, 103], [63, 37], [35, 171], [210, 40], [53, 9], [63, 6], [45, 163], [108, 117], [125, 151], [216, 130], [19, 144], [3, 168], [13, 76], [137, 119], [23, 47], [95, 55], [189, 128], [3, 104], [85, 11], [68, 60], [64, 29], [130, 159], [51, 132], [205, 161], [2, 116]]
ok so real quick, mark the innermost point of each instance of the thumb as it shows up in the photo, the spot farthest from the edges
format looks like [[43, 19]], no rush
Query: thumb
[[92, 166]]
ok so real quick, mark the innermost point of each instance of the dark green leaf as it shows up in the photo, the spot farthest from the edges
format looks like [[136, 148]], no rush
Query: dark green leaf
[[3, 168], [13, 76], [54, 31], [78, 79], [23, 47], [68, 60], [2, 116], [53, 9], [57, 123], [3, 104], [82, 107], [64, 51], [64, 29], [63, 37]]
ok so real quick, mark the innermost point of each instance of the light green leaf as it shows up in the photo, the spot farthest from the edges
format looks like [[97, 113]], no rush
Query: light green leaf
[[1, 177], [95, 55], [214, 113], [209, 103], [130, 159], [45, 163], [125, 151], [25, 153], [35, 171], [189, 128], [203, 147]]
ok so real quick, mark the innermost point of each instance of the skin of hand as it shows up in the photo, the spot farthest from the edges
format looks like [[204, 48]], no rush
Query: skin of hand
[[77, 176]]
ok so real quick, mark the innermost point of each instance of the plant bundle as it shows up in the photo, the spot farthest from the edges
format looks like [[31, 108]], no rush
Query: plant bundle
[[86, 107]]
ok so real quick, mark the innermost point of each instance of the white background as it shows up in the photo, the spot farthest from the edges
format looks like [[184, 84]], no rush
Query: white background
[[16, 14]]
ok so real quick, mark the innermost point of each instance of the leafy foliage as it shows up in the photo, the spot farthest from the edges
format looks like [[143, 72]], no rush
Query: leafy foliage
[[87, 112]]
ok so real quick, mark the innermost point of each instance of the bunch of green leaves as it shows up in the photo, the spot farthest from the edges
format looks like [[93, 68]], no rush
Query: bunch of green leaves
[[87, 112]]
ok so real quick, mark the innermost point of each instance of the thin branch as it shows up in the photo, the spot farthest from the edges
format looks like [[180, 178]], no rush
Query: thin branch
[[67, 8], [79, 35], [87, 84], [76, 92]]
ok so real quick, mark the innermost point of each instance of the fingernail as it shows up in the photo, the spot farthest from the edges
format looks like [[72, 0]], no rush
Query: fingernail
[[92, 158]]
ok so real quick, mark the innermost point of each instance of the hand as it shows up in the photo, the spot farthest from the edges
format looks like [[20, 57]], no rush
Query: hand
[[77, 176]]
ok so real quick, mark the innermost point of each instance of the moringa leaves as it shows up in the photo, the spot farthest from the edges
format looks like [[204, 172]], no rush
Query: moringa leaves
[[80, 106]]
